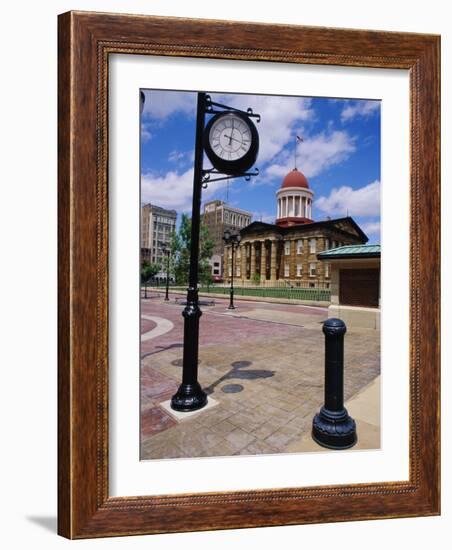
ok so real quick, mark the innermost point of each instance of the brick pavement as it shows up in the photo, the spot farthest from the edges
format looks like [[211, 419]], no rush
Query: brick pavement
[[262, 362]]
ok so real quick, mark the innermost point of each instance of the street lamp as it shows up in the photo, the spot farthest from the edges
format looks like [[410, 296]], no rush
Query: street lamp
[[232, 240], [167, 251]]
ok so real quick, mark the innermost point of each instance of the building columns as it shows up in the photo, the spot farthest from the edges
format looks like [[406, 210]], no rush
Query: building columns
[[263, 263], [243, 262], [273, 250], [253, 261], [293, 260]]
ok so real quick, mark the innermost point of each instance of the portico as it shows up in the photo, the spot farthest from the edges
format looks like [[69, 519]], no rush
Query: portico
[[286, 252], [259, 260]]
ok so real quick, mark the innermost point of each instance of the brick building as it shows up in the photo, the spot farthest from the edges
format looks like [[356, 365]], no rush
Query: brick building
[[287, 250], [219, 216], [158, 226]]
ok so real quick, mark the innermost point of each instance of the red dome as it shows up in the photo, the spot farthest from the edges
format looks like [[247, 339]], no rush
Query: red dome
[[295, 179]]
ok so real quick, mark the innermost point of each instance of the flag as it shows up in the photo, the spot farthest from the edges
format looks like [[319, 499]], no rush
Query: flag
[[300, 139]]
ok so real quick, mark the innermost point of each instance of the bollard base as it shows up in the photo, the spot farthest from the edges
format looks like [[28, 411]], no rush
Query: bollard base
[[189, 397], [334, 430]]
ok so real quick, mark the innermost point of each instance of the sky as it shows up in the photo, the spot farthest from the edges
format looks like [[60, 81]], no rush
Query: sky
[[339, 155]]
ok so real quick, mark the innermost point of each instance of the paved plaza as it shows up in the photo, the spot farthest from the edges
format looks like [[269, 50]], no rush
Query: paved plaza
[[262, 366]]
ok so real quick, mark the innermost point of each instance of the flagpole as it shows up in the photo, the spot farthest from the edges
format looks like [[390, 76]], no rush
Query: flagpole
[[295, 153]]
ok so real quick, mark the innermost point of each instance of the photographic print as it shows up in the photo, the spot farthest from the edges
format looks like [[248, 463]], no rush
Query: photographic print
[[263, 337], [254, 271]]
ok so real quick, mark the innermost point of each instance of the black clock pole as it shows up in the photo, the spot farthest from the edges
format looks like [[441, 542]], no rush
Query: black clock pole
[[190, 396]]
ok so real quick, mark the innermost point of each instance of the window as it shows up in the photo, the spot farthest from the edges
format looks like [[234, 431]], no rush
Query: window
[[230, 271], [286, 270], [216, 264], [216, 271], [312, 269], [327, 270], [327, 244], [237, 271], [299, 270], [287, 248], [300, 246], [312, 246]]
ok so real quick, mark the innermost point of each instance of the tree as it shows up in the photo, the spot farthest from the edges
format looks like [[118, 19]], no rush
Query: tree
[[148, 271], [180, 248], [256, 278]]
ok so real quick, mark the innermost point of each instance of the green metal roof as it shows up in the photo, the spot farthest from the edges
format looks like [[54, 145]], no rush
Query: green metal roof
[[351, 251]]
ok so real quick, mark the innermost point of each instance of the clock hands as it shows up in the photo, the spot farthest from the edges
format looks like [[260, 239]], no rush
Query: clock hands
[[232, 131], [230, 138], [232, 142]]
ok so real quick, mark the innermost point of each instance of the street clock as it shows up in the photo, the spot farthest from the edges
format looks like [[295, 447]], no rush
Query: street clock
[[231, 142]]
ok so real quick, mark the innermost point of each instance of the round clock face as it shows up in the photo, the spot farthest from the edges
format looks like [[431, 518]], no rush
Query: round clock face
[[230, 137], [231, 142]]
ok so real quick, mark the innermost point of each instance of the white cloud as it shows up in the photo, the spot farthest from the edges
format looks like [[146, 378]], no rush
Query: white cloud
[[174, 190], [359, 108], [160, 104], [181, 157], [146, 134], [364, 201], [280, 119], [315, 155], [371, 228]]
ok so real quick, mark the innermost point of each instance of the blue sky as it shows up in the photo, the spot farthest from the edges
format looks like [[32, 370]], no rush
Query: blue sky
[[340, 154]]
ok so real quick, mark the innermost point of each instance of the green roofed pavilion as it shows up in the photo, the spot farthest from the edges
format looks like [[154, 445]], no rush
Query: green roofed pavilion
[[351, 251]]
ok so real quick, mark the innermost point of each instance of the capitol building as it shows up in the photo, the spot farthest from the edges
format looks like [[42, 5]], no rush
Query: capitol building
[[287, 250]]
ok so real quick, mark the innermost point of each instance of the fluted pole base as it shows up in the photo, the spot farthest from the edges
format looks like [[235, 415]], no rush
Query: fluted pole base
[[189, 397], [334, 430]]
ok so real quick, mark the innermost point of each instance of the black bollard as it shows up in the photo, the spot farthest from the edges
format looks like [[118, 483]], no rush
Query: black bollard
[[332, 427]]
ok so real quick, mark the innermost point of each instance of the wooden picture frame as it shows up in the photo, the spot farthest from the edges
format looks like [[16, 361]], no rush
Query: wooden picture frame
[[86, 40]]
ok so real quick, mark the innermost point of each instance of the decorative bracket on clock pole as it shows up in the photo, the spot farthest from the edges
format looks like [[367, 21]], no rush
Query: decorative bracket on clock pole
[[207, 173], [210, 109], [213, 108]]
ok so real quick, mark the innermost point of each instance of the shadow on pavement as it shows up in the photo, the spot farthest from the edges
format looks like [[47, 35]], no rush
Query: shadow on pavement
[[237, 373]]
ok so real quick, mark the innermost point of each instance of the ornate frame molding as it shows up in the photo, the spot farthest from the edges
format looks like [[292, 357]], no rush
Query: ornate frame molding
[[85, 42]]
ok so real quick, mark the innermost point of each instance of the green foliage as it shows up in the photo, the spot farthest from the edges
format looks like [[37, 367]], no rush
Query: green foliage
[[256, 278], [148, 271], [180, 248]]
